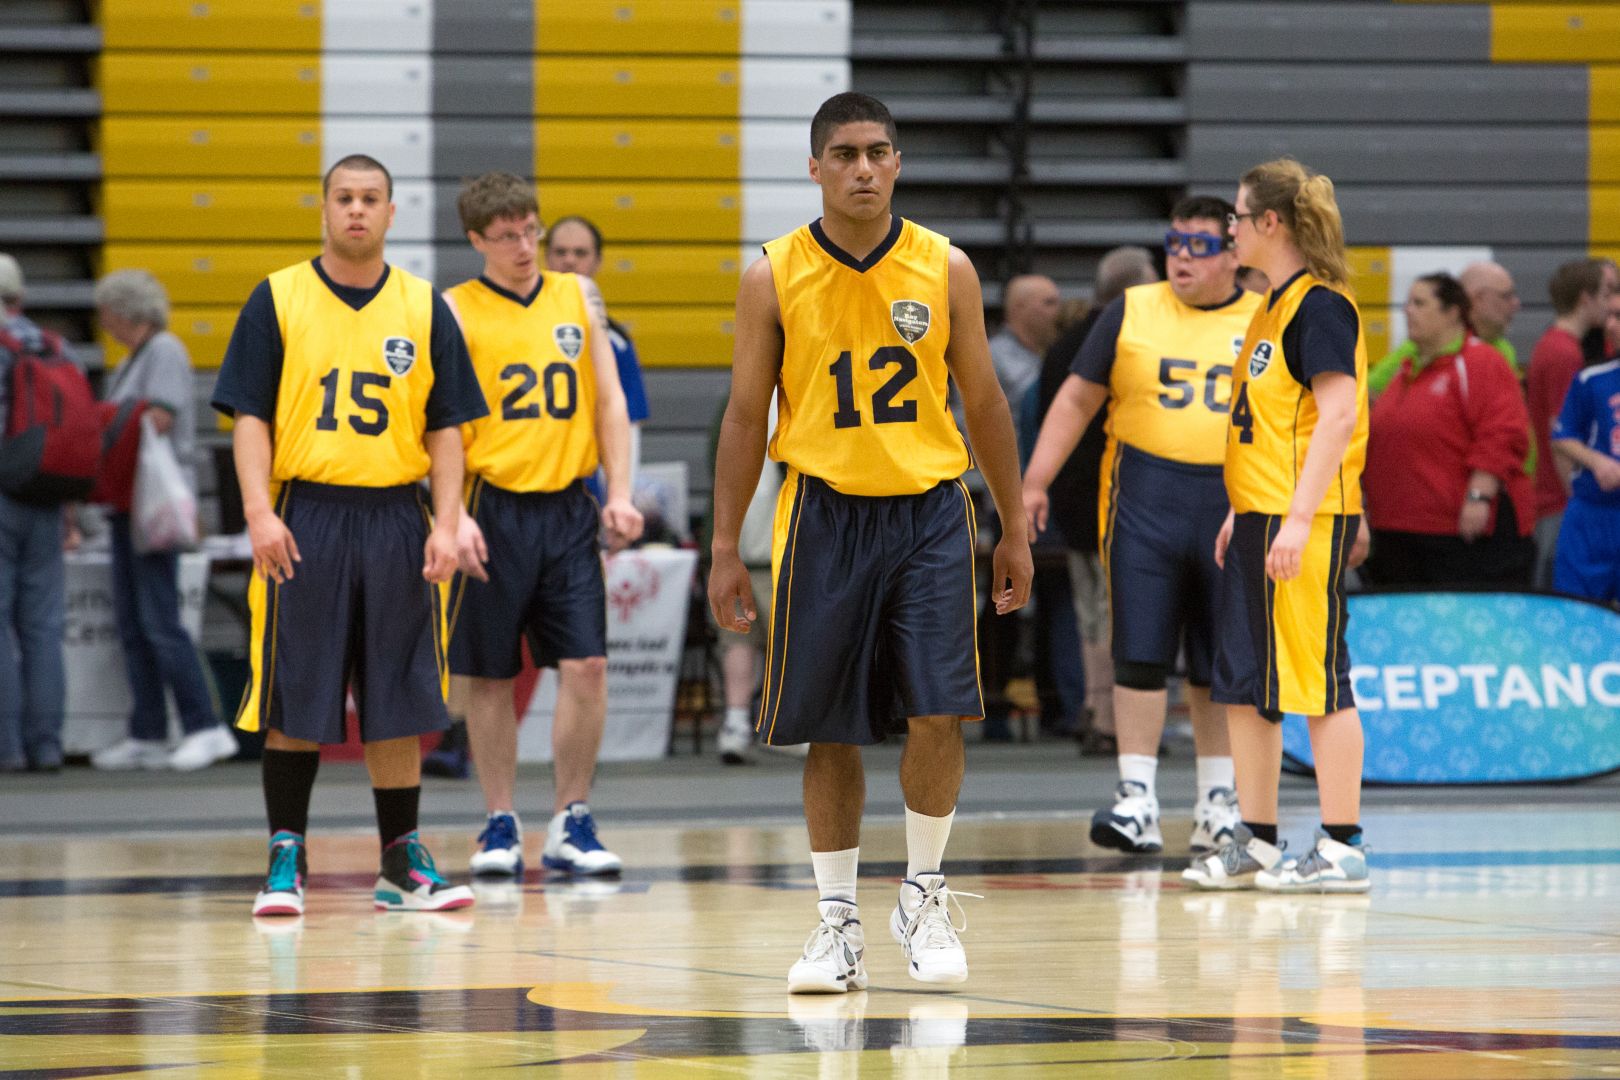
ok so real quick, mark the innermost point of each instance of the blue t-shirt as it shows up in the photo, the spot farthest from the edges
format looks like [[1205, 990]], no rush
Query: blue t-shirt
[[1591, 415], [624, 355]]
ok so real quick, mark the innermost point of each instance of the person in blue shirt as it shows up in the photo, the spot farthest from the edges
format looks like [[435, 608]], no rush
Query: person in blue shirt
[[1587, 432]]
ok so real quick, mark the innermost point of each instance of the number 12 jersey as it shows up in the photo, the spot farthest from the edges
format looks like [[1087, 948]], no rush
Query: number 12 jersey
[[864, 384]]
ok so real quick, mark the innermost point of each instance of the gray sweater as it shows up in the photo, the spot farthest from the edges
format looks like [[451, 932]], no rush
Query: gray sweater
[[160, 372]]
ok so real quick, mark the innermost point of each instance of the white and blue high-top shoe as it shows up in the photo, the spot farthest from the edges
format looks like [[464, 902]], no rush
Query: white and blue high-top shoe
[[1329, 867], [500, 847], [571, 844]]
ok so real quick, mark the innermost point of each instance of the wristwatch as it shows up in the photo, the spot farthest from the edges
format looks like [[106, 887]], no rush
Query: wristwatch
[[1475, 495]]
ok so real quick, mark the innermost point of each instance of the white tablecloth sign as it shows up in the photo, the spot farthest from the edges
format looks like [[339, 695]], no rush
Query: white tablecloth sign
[[648, 592], [98, 700]]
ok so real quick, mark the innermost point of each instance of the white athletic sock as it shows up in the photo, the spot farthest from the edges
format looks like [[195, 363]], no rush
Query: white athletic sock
[[925, 842], [835, 873], [1214, 772], [737, 716], [1142, 769]]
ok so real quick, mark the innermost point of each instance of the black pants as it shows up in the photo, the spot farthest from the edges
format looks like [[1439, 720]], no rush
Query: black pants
[[1501, 560]]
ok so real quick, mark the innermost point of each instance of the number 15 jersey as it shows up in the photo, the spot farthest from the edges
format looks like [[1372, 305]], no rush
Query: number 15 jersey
[[864, 381]]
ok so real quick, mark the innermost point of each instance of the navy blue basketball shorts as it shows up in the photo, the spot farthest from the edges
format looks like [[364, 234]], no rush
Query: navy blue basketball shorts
[[1282, 646], [545, 581], [357, 615], [874, 605], [1160, 520]]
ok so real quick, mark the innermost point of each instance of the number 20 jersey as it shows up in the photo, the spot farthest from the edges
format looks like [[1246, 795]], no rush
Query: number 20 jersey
[[534, 366], [862, 402]]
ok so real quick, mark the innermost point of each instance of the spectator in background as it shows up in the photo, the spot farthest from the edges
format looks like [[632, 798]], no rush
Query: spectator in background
[[1448, 498], [1253, 280], [1029, 326], [1493, 300], [1595, 345], [1587, 432], [33, 585], [1074, 498], [574, 246], [159, 655], [1611, 327], [1580, 295]]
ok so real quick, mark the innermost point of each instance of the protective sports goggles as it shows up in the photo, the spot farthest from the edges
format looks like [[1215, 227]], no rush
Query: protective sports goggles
[[1200, 245]]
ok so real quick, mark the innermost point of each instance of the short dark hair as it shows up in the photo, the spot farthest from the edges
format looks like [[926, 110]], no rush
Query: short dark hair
[[494, 195], [359, 163], [1449, 293], [587, 223], [848, 108], [1573, 280], [1209, 207]]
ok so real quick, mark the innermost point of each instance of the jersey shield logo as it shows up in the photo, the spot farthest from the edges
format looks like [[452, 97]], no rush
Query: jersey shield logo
[[911, 319], [570, 338], [1260, 359], [400, 354]]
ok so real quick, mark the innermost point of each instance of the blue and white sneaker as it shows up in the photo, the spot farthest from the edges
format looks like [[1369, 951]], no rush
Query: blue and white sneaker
[[1131, 824], [408, 880], [500, 847], [1329, 867], [571, 844], [283, 892]]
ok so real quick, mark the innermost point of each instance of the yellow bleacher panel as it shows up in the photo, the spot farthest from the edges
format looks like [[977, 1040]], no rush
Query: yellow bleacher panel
[[1555, 33], [211, 210], [1603, 154], [702, 211], [207, 273], [639, 26], [1370, 274], [1605, 214], [210, 83], [205, 330], [209, 146], [214, 24], [1604, 93], [1376, 328], [638, 149], [668, 274], [636, 86], [680, 336]]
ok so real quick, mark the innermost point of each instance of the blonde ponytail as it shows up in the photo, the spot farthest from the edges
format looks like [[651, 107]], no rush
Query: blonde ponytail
[[1304, 201]]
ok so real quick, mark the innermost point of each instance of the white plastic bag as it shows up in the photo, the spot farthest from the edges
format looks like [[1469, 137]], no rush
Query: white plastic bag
[[163, 513]]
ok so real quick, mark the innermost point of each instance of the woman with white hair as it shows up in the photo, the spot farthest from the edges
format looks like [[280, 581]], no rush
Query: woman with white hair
[[133, 309]]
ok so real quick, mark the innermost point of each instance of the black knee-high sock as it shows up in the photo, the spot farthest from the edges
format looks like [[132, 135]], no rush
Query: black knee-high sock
[[289, 777], [396, 811]]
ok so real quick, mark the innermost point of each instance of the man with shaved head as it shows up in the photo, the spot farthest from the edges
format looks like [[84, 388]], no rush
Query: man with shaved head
[[1030, 312], [1493, 301]]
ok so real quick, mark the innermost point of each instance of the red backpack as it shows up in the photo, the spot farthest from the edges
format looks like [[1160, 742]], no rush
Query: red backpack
[[52, 444]]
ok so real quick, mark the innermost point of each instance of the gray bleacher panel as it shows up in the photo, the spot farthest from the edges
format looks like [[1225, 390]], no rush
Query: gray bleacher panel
[[1165, 111], [1384, 214], [483, 86], [50, 167], [948, 171], [1338, 31], [1531, 268], [1105, 233], [63, 229], [54, 101], [1388, 93], [455, 263], [49, 38], [484, 27], [942, 47], [463, 148], [1108, 49], [61, 295], [1109, 173], [963, 108], [1547, 154]]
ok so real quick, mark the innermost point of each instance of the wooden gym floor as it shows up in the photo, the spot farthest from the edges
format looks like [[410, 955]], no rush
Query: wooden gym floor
[[1489, 947]]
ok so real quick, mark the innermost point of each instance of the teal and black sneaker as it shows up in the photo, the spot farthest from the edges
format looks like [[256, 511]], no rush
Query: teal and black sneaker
[[283, 892], [408, 880]]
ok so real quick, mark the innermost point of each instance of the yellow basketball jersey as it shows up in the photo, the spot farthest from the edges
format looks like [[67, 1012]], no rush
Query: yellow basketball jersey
[[1274, 416], [1170, 388], [352, 403], [862, 400], [534, 365]]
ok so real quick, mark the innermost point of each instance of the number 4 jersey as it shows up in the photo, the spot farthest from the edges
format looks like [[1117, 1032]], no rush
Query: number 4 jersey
[[533, 359], [864, 381]]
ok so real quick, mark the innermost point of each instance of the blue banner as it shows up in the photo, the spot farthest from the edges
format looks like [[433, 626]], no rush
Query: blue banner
[[1467, 688]]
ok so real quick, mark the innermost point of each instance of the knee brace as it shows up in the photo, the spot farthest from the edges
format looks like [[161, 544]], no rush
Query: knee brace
[[1135, 675]]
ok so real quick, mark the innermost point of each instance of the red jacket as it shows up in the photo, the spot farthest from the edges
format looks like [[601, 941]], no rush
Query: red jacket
[[1431, 429], [1556, 361]]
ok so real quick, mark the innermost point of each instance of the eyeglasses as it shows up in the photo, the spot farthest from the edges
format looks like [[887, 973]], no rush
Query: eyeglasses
[[1199, 245], [1253, 216], [506, 239]]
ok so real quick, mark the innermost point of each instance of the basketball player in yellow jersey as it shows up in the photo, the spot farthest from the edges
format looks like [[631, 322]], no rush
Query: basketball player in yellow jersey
[[856, 322], [1294, 455], [540, 345], [1162, 356], [349, 381]]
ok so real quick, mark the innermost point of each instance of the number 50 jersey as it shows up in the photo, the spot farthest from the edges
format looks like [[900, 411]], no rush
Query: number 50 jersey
[[864, 382], [533, 359]]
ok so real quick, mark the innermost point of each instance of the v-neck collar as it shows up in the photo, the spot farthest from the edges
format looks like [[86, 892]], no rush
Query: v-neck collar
[[860, 266], [522, 301], [353, 295]]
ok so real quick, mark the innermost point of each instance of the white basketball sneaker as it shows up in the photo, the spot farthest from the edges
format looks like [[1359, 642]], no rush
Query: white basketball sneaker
[[1131, 824], [1214, 819], [1234, 864], [921, 923], [1329, 867], [500, 847], [735, 739], [571, 844], [833, 959]]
